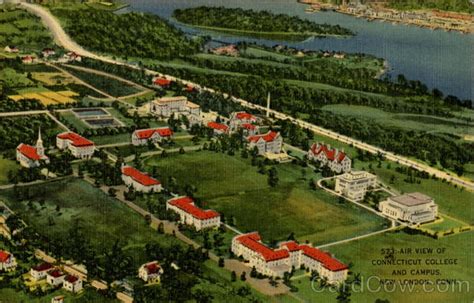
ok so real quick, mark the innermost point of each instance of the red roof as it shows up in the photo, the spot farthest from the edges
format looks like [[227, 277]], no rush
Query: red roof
[[252, 241], [249, 126], [245, 116], [56, 273], [187, 205], [152, 268], [75, 139], [291, 246], [189, 88], [147, 133], [139, 177], [330, 154], [71, 279], [268, 137], [324, 258], [4, 256], [29, 151], [218, 126], [43, 267], [162, 82], [27, 58]]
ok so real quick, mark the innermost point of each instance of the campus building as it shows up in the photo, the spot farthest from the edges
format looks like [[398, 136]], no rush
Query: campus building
[[335, 159], [31, 156], [275, 262], [269, 143], [168, 106], [150, 272], [55, 277], [238, 119], [72, 284], [413, 207], [39, 272], [7, 261], [79, 146], [190, 214], [355, 184], [139, 181], [143, 136], [218, 128]]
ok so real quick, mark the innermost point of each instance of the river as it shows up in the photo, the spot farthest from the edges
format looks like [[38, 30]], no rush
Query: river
[[437, 58]]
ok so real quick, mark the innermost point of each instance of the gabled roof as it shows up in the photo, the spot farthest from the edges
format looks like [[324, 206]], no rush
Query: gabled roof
[[75, 139], [244, 116], [268, 137], [148, 133], [330, 154], [29, 151], [4, 256], [56, 273], [187, 204], [43, 267], [249, 126], [252, 241], [291, 246], [324, 258], [71, 279], [217, 126], [162, 81], [152, 268], [139, 177]]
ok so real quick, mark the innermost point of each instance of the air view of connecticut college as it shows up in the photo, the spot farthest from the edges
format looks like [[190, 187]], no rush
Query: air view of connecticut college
[[236, 151]]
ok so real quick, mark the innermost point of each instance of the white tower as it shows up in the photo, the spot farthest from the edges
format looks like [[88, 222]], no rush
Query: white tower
[[39, 144], [268, 106]]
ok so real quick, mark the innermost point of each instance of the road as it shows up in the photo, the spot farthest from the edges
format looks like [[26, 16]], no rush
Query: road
[[358, 237], [63, 39]]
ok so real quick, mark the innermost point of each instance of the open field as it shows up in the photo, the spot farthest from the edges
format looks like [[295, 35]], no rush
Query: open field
[[89, 295], [7, 165], [47, 97], [53, 78], [275, 212]]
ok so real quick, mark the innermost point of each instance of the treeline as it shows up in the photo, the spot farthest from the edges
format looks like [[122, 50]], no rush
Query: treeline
[[254, 21], [132, 34], [465, 6]]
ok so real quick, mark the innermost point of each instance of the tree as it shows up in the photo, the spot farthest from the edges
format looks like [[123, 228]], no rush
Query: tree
[[161, 228], [273, 177], [233, 276], [112, 192], [253, 272], [221, 262], [243, 276]]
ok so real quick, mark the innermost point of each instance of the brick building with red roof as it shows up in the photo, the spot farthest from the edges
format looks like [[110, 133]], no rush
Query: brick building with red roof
[[79, 146], [31, 156], [243, 120], [7, 261], [269, 143], [150, 272], [140, 181], [155, 135], [337, 160], [190, 214], [218, 128]]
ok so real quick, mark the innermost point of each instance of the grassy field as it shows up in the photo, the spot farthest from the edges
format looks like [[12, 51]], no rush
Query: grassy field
[[7, 165], [74, 120], [53, 78], [231, 185], [88, 296]]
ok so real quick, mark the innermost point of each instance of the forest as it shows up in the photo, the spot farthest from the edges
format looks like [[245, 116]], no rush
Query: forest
[[254, 21]]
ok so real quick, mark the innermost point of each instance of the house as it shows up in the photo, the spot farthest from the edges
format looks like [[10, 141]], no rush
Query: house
[[150, 272], [143, 136], [269, 143], [218, 128], [335, 159], [139, 181], [162, 82], [55, 277], [72, 284], [190, 214], [57, 299], [355, 184], [413, 207], [39, 272], [11, 49], [237, 119], [168, 106], [7, 261], [71, 56], [31, 156], [79, 146], [227, 50], [275, 262], [28, 59], [48, 52]]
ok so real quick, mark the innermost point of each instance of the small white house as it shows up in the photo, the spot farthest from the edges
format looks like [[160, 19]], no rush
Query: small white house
[[7, 261], [39, 272], [150, 272], [72, 284], [55, 277]]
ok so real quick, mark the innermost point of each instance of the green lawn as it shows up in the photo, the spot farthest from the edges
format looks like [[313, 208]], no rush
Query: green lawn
[[7, 165], [111, 139], [10, 295], [231, 185], [72, 119]]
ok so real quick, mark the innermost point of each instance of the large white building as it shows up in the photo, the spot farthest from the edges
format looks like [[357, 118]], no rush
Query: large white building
[[168, 106], [150, 272], [355, 184], [7, 261], [413, 207], [275, 262], [142, 136], [79, 146], [237, 119], [335, 159], [269, 143], [218, 128], [31, 156], [190, 214], [140, 181]]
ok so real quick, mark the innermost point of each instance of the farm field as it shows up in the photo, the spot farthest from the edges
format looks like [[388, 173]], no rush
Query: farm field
[[47, 97], [244, 194], [53, 78]]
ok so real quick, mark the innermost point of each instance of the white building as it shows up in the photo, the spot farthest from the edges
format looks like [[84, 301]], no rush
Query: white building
[[168, 106], [11, 49], [57, 299], [269, 143], [55, 277], [218, 128], [355, 184], [31, 156], [39, 272], [150, 272], [335, 159], [413, 207], [72, 284], [7, 261], [140, 181], [70, 57], [142, 136], [190, 214], [275, 262], [79, 146], [237, 119]]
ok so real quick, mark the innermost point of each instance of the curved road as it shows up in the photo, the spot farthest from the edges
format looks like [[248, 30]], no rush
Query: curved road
[[63, 39]]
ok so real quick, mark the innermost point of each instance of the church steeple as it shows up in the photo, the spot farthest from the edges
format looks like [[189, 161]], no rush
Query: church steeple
[[39, 144]]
